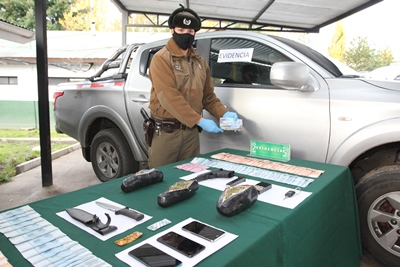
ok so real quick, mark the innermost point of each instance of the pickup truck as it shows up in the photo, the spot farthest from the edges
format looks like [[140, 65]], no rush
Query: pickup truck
[[295, 96]]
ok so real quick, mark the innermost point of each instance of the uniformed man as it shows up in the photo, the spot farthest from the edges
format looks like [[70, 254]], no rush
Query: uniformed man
[[181, 89]]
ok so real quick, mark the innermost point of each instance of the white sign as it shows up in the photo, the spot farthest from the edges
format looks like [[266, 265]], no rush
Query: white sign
[[235, 55]]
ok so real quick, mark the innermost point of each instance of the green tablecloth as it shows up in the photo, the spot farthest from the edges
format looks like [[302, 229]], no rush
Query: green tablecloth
[[323, 230]]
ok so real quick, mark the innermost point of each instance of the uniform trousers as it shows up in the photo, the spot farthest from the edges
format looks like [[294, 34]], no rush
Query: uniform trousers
[[168, 148]]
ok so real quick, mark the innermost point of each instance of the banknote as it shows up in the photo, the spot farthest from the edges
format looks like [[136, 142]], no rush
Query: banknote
[[33, 234], [62, 241], [29, 229], [39, 241], [18, 211], [58, 254], [10, 226]]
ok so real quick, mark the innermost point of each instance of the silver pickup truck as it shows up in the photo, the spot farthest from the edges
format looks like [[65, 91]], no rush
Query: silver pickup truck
[[294, 96]]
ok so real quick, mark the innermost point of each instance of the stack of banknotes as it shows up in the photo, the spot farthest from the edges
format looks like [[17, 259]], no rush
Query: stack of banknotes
[[43, 244]]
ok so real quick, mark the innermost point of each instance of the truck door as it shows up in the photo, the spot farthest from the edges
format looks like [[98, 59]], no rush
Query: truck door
[[269, 113], [137, 91]]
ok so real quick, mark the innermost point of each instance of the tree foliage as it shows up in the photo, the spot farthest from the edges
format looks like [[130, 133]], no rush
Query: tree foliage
[[337, 47], [85, 13], [22, 12], [140, 19], [361, 57]]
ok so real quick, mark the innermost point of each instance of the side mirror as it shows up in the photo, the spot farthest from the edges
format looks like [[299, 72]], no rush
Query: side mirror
[[292, 76]]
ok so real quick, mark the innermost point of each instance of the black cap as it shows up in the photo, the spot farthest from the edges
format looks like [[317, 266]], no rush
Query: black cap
[[184, 18]]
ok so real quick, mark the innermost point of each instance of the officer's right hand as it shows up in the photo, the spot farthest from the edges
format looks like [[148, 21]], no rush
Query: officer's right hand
[[209, 126]]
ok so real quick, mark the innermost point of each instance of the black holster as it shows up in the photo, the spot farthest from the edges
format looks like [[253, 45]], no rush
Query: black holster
[[148, 128], [92, 221]]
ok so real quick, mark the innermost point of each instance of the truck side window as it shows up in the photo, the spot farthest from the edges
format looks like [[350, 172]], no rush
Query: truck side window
[[145, 60], [241, 61]]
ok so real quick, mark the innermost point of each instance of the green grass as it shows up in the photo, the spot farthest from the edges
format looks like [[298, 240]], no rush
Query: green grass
[[14, 153], [29, 133]]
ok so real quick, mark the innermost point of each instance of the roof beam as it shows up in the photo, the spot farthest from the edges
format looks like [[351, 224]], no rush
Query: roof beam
[[228, 24], [15, 33], [263, 10]]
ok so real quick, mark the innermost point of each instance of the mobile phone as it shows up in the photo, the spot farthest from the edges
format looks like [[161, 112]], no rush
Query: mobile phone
[[181, 244], [153, 257], [204, 231], [262, 187], [236, 181]]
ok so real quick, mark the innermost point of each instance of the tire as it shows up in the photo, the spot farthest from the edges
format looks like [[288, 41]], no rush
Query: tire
[[111, 155], [378, 194]]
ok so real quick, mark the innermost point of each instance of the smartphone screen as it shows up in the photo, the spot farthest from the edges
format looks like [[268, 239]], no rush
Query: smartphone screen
[[181, 244], [202, 230], [153, 257]]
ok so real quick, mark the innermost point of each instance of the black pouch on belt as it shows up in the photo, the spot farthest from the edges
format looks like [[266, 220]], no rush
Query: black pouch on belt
[[148, 128], [169, 126]]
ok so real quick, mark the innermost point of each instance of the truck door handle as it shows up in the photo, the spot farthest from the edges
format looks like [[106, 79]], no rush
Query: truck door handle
[[140, 100]]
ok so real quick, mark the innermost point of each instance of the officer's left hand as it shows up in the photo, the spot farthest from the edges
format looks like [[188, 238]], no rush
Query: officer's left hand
[[231, 115]]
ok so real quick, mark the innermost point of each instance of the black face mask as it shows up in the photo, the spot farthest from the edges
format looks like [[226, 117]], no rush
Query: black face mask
[[184, 41]]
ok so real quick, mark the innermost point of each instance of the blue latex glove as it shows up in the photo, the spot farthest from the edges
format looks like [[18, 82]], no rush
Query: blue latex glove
[[209, 126], [232, 115]]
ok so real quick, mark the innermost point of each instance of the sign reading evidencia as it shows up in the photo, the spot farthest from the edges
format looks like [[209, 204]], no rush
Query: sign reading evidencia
[[235, 55], [270, 150]]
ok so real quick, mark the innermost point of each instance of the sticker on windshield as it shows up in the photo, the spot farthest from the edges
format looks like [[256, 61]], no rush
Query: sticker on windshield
[[235, 55]]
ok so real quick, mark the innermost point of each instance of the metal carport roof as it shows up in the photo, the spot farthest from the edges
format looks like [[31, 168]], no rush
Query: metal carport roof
[[14, 33], [260, 15]]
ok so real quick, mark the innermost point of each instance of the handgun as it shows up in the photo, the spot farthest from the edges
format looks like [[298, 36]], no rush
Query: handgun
[[219, 173], [145, 116]]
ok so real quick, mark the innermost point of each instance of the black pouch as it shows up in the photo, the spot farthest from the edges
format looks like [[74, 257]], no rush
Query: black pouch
[[177, 192], [168, 126], [236, 199], [148, 128], [141, 178]]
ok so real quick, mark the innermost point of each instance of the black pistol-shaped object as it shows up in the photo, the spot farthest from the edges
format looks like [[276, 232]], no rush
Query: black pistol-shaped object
[[148, 127], [219, 173], [145, 116]]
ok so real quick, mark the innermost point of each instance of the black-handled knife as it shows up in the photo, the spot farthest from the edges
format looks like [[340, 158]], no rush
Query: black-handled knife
[[123, 211]]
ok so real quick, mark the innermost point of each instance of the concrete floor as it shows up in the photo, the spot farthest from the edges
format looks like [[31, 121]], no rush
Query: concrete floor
[[70, 172]]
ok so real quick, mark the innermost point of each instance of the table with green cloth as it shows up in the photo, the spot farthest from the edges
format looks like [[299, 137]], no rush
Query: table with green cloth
[[323, 230]]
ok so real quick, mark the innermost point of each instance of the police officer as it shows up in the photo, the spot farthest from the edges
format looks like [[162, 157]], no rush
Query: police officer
[[181, 89]]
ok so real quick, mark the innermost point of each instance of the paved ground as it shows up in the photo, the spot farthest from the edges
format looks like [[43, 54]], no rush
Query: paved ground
[[70, 172]]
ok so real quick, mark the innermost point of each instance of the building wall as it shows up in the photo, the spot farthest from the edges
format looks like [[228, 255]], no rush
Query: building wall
[[19, 102]]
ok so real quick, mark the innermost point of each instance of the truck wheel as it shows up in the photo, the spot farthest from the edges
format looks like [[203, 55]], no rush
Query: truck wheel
[[111, 155], [378, 194]]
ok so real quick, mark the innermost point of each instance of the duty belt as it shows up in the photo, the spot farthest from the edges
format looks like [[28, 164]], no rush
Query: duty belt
[[169, 125]]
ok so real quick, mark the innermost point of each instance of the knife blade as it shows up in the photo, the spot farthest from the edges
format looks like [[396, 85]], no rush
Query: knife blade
[[123, 211]]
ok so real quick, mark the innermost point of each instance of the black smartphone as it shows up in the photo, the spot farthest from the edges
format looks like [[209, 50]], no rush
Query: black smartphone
[[153, 257], [262, 187], [181, 244], [205, 231]]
